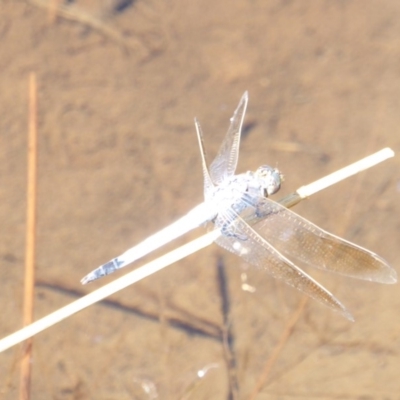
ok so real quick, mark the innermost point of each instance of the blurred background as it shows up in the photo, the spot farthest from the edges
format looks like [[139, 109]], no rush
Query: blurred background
[[119, 83]]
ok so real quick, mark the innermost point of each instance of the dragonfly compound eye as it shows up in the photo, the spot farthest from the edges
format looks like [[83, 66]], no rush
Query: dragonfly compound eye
[[271, 179]]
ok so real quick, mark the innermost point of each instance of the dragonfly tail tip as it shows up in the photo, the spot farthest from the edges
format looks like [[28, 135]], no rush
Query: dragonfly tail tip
[[87, 279]]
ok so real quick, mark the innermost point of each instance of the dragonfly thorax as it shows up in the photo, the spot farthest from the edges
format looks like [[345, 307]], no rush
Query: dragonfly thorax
[[238, 192]]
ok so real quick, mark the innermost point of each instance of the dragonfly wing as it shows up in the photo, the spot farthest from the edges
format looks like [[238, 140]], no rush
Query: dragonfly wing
[[302, 241], [258, 252], [225, 163], [208, 184]]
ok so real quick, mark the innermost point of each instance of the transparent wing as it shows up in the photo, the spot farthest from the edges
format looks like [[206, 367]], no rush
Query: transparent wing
[[258, 252], [225, 163], [302, 241], [208, 184]]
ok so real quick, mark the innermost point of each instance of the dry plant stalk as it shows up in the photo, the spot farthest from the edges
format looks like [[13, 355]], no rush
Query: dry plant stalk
[[25, 378], [180, 253]]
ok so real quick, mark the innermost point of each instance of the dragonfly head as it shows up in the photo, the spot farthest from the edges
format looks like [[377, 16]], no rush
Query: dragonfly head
[[271, 179]]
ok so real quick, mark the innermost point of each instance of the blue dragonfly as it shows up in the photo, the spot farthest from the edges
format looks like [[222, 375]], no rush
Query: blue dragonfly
[[262, 232]]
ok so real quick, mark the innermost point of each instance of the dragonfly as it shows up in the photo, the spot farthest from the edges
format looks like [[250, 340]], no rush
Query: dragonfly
[[261, 231]]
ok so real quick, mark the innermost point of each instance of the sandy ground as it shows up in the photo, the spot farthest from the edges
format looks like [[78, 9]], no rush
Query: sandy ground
[[119, 85]]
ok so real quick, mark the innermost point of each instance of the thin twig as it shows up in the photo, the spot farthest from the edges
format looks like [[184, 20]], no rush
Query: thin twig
[[278, 348], [74, 13], [227, 332], [25, 378]]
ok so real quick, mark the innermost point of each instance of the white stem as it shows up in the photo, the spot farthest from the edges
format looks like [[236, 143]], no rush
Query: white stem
[[109, 289], [346, 172], [172, 257]]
